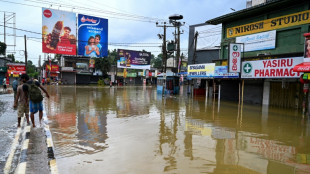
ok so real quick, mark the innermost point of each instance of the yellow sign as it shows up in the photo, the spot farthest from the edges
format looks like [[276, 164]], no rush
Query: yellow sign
[[270, 24]]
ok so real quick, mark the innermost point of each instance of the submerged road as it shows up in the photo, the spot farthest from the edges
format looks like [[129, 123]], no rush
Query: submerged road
[[135, 130]]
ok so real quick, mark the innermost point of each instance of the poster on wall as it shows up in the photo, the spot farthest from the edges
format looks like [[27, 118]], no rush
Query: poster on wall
[[133, 59], [234, 61], [271, 68], [93, 36], [58, 32]]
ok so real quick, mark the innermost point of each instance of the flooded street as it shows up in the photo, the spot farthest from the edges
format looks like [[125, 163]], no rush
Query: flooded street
[[133, 130]]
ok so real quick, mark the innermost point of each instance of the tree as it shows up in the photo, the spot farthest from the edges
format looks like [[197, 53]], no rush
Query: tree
[[12, 57], [31, 70], [157, 62], [2, 48]]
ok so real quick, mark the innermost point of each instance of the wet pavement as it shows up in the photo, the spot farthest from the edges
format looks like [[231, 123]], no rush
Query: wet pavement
[[133, 130]]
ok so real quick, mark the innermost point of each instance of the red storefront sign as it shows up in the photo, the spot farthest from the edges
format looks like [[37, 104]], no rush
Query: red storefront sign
[[16, 69]]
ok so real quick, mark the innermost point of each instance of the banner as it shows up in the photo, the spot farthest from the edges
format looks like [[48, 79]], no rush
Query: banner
[[93, 36], [58, 32], [272, 68], [259, 41], [52, 68], [201, 70], [222, 72], [16, 69], [134, 59], [270, 24], [234, 61]]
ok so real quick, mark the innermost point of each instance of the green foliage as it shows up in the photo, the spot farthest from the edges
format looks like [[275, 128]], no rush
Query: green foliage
[[31, 70], [100, 82], [157, 62], [12, 57], [2, 48]]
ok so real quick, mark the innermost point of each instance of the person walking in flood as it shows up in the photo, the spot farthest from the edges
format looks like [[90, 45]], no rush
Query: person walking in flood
[[14, 86], [4, 84], [35, 97], [23, 102]]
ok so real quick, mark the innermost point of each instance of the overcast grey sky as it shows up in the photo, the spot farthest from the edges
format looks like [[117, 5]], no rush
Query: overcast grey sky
[[124, 24]]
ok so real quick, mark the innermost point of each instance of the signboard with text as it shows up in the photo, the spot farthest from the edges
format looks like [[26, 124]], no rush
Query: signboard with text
[[58, 32], [222, 72], [270, 24], [234, 61], [16, 69], [201, 70], [259, 41], [271, 68]]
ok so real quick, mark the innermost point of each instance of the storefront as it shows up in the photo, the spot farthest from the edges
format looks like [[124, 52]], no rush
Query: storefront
[[272, 44], [68, 76]]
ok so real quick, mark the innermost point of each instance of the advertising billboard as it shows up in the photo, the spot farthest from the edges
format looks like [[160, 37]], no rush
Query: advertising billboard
[[58, 32], [271, 68], [93, 36], [133, 59]]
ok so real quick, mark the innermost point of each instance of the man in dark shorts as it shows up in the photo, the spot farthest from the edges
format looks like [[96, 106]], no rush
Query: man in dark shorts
[[34, 107]]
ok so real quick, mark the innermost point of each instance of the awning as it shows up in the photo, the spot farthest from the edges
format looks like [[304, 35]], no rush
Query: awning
[[303, 67]]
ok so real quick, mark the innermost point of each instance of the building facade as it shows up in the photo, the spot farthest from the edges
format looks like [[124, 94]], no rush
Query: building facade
[[272, 40]]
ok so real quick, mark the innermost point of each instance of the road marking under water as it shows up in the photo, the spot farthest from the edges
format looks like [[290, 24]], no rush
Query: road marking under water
[[14, 145]]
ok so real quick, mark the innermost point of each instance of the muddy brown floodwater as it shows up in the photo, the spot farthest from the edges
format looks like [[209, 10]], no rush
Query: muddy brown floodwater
[[133, 130]]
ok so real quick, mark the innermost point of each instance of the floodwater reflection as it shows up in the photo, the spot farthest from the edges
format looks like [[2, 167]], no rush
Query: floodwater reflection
[[134, 130]]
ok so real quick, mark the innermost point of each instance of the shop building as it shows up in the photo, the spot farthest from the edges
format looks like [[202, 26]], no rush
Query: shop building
[[272, 41]]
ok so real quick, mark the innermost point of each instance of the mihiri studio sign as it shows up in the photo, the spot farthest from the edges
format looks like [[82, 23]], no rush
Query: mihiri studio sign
[[270, 24], [273, 68]]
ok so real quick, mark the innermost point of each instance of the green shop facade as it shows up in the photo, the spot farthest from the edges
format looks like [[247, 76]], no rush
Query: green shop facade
[[273, 43]]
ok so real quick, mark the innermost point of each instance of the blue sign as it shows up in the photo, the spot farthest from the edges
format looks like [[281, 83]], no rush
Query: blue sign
[[92, 36], [222, 72]]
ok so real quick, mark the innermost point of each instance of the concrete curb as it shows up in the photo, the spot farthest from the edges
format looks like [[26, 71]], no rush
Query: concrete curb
[[50, 148]]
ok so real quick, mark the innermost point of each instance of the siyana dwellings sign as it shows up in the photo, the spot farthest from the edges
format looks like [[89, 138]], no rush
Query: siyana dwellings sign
[[270, 24]]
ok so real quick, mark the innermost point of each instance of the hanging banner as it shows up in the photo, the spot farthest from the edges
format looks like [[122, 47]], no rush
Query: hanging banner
[[272, 68], [134, 59], [93, 36], [52, 68], [58, 32], [234, 61], [201, 70], [259, 41]]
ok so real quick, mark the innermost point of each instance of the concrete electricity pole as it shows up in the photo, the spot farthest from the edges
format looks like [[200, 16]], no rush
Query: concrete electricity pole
[[25, 38]]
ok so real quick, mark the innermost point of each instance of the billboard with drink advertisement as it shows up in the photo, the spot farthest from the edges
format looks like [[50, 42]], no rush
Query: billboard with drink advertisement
[[93, 36], [133, 59], [16, 69], [58, 32]]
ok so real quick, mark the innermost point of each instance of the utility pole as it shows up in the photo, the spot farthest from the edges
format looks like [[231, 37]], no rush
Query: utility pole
[[4, 36], [25, 38]]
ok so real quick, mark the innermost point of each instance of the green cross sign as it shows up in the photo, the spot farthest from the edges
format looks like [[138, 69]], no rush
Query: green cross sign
[[247, 68], [235, 47]]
